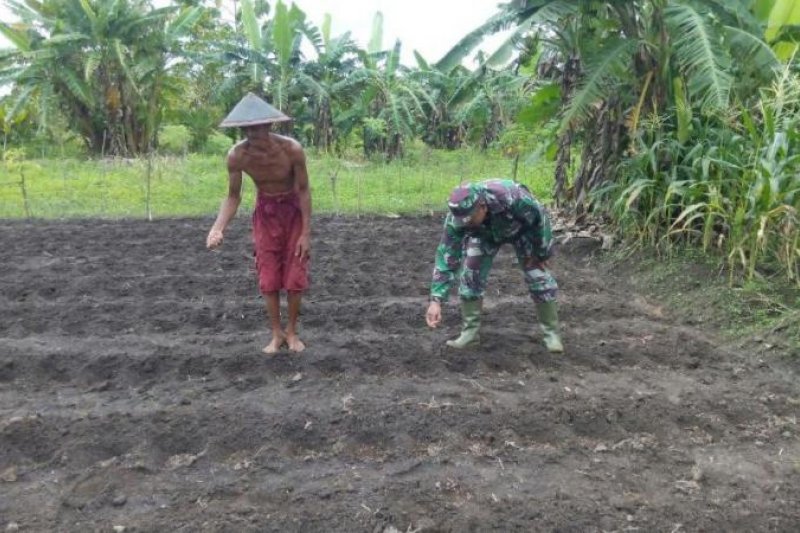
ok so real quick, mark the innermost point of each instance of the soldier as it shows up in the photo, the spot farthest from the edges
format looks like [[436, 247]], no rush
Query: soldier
[[282, 217], [483, 216]]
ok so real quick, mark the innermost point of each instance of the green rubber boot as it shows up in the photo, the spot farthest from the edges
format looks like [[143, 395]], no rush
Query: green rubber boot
[[548, 322], [471, 317]]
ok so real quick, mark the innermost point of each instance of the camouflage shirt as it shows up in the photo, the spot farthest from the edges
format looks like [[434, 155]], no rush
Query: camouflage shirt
[[513, 213]]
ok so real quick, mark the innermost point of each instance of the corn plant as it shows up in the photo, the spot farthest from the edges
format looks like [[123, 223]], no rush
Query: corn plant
[[767, 217], [731, 185]]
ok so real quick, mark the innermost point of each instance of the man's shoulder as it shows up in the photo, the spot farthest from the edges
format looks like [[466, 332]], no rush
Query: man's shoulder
[[238, 149], [236, 153], [287, 143]]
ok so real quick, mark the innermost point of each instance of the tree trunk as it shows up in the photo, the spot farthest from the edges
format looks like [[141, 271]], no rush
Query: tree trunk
[[569, 78], [563, 162], [323, 132], [151, 123], [601, 152], [492, 130]]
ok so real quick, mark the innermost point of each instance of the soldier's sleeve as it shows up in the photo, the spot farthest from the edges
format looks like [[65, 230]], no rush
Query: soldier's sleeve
[[536, 221], [449, 254]]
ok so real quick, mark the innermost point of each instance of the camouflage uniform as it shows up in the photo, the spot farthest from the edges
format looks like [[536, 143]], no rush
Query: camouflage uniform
[[514, 216]]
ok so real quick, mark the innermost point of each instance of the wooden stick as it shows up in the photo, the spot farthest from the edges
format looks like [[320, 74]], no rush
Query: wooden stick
[[358, 182], [149, 176], [24, 192]]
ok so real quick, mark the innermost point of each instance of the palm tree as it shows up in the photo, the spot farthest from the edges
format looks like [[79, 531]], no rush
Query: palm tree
[[103, 64]]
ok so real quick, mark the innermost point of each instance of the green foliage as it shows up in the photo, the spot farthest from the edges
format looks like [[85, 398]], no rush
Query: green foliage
[[763, 313], [14, 160], [104, 65], [174, 139], [391, 96], [329, 89], [762, 8], [784, 15], [614, 61], [194, 185], [683, 111], [375, 127], [524, 17], [700, 58], [272, 49], [217, 144], [730, 185], [543, 106], [16, 171], [121, 69], [713, 162], [604, 69], [375, 44], [516, 140]]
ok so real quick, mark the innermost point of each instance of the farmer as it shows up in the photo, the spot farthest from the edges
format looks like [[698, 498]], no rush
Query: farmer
[[282, 217], [483, 216]]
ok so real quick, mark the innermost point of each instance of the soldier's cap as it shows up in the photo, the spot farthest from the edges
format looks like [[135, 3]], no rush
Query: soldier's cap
[[252, 111], [462, 202]]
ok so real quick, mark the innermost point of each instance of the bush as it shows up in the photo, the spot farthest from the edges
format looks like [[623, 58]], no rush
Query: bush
[[174, 139], [729, 184], [217, 144]]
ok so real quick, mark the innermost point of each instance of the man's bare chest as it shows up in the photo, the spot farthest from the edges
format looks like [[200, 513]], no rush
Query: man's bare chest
[[274, 166]]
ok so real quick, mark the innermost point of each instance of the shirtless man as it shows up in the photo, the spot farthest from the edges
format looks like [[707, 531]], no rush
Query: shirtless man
[[282, 216]]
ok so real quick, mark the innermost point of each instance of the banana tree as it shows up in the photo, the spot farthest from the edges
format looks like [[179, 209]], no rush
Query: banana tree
[[193, 95], [391, 103], [288, 29], [487, 102], [103, 64], [783, 20], [268, 59], [329, 84], [471, 105], [616, 61], [443, 126]]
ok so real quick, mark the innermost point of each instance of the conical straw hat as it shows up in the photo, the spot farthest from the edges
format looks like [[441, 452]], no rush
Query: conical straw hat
[[251, 111]]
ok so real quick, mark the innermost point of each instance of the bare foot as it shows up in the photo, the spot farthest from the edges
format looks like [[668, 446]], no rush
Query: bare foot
[[275, 344], [295, 344]]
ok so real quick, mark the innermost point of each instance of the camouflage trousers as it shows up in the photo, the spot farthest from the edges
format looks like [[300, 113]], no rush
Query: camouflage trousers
[[479, 255]]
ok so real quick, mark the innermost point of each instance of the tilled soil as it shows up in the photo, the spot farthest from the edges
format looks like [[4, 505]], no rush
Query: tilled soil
[[134, 394]]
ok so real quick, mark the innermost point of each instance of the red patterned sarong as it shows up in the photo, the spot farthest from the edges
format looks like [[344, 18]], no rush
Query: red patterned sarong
[[277, 225]]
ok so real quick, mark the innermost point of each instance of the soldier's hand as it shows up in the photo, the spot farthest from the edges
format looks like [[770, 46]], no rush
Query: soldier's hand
[[214, 239], [434, 315]]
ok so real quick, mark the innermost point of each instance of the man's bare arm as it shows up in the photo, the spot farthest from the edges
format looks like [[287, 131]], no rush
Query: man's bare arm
[[303, 190], [230, 204]]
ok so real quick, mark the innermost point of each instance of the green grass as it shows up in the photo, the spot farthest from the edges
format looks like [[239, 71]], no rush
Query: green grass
[[195, 185], [763, 315]]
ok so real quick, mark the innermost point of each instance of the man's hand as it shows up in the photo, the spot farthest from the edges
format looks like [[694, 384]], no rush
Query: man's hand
[[214, 239], [303, 247], [434, 314]]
